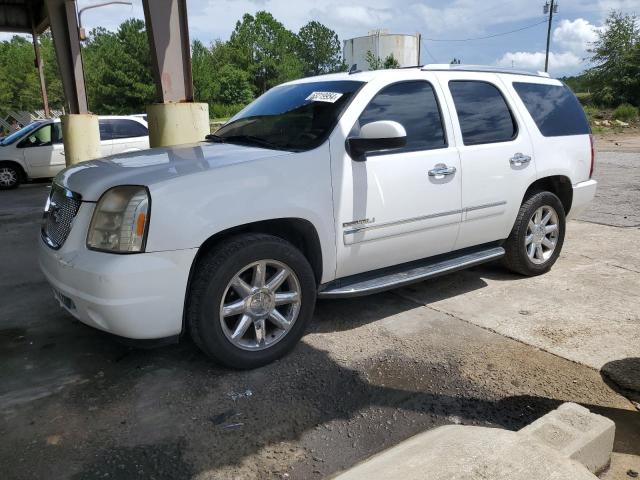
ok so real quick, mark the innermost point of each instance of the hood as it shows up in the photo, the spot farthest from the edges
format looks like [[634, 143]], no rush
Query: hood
[[147, 167]]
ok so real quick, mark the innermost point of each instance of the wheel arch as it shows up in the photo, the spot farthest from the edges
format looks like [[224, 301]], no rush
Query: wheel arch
[[21, 169], [299, 232], [559, 185]]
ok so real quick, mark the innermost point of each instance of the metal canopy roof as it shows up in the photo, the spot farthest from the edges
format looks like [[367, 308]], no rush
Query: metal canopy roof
[[23, 16]]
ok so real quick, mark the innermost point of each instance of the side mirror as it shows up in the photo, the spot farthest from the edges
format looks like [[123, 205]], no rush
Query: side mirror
[[381, 135]]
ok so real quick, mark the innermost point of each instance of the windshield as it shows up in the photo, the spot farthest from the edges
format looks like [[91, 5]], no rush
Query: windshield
[[290, 117], [9, 139]]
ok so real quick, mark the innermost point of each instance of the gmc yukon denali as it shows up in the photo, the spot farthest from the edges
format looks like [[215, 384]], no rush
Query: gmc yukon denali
[[326, 187]]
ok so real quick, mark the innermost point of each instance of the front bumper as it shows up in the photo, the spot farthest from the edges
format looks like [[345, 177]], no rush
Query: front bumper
[[138, 296], [583, 193]]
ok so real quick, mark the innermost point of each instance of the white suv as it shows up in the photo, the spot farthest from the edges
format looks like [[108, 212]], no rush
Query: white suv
[[36, 150], [329, 187]]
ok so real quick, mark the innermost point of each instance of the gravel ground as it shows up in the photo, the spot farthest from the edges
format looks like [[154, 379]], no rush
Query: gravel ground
[[371, 372]]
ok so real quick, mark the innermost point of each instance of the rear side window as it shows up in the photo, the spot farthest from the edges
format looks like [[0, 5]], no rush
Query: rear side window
[[413, 105], [483, 113], [554, 108], [121, 128]]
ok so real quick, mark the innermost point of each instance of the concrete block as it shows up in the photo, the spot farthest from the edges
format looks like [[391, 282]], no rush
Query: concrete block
[[569, 443], [457, 452], [576, 433]]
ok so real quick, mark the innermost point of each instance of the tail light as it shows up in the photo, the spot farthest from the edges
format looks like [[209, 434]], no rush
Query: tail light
[[593, 156]]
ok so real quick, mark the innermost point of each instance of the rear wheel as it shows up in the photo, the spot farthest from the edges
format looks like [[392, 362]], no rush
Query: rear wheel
[[537, 236], [10, 176], [251, 300]]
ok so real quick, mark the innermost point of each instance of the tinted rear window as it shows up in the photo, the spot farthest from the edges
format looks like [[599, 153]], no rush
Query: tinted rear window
[[483, 113], [121, 128], [554, 108]]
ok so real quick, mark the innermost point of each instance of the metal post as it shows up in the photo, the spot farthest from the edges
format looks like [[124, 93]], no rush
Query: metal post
[[43, 85], [64, 29], [546, 58], [168, 33]]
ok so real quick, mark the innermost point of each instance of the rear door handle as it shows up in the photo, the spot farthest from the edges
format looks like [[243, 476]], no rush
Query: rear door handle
[[519, 160], [441, 170]]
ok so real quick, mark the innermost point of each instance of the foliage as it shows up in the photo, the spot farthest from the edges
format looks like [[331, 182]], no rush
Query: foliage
[[319, 49], [615, 77], [585, 98], [376, 63], [266, 50], [625, 112], [118, 69], [260, 54], [19, 82]]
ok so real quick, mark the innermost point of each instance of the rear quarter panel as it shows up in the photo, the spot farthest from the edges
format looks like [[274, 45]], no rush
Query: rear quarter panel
[[569, 156]]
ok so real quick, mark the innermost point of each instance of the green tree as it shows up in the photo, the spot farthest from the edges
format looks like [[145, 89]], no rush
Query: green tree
[[376, 63], [266, 50], [19, 84], [319, 49], [118, 69], [616, 58]]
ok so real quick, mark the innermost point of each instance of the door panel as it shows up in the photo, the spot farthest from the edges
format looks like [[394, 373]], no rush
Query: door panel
[[492, 184], [388, 209], [43, 151]]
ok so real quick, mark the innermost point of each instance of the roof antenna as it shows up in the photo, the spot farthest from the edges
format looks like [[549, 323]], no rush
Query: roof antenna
[[354, 69]]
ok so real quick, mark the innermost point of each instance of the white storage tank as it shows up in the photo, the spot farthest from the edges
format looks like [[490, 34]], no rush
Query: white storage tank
[[405, 49]]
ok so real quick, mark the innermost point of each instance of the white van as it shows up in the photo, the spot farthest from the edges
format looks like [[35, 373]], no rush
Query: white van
[[36, 150]]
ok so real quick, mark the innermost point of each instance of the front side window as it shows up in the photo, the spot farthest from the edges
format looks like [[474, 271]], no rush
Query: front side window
[[9, 139], [44, 136], [293, 117], [554, 108], [483, 113], [413, 105]]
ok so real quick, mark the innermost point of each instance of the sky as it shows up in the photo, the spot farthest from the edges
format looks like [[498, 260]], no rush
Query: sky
[[575, 25]]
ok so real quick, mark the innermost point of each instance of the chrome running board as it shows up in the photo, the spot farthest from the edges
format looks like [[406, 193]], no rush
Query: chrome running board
[[394, 277]]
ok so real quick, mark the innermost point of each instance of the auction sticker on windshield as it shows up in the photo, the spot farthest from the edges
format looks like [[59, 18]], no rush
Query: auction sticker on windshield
[[329, 97]]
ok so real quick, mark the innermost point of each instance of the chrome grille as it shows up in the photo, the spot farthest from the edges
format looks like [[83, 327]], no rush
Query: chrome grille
[[60, 210]]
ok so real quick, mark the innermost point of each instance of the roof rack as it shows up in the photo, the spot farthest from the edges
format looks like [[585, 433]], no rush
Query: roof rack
[[481, 68]]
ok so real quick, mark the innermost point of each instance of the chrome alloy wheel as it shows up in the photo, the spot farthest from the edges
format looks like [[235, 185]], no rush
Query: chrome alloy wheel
[[8, 177], [542, 234], [260, 305]]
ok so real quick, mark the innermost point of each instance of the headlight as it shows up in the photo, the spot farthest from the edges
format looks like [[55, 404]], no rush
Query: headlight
[[120, 220]]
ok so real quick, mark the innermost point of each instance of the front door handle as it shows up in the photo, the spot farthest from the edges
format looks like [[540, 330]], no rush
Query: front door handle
[[441, 170], [518, 160]]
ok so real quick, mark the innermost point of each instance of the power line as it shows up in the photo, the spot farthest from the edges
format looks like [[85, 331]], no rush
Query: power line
[[487, 36], [424, 45]]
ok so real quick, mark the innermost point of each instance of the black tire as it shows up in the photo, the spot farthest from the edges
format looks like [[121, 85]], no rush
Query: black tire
[[10, 176], [516, 258], [213, 273]]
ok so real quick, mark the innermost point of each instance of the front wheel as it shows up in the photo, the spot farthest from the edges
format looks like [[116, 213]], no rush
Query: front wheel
[[537, 236], [9, 176], [251, 300]]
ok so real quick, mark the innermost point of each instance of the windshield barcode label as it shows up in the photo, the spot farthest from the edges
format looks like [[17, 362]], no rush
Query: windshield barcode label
[[329, 97]]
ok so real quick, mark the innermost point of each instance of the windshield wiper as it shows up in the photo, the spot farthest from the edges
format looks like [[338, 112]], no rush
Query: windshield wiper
[[250, 139], [212, 137]]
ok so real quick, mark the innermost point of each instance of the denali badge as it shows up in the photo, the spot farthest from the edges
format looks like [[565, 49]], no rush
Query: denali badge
[[364, 221]]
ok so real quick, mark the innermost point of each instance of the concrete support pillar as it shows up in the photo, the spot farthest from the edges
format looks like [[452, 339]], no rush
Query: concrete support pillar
[[81, 137], [174, 119], [176, 123]]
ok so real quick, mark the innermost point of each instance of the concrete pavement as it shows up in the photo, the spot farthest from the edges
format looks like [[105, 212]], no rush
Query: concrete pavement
[[370, 373]]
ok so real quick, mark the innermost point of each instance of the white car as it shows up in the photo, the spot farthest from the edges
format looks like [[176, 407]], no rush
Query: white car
[[36, 150], [332, 186]]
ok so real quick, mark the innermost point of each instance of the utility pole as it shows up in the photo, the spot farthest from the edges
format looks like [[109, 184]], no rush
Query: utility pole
[[550, 9]]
